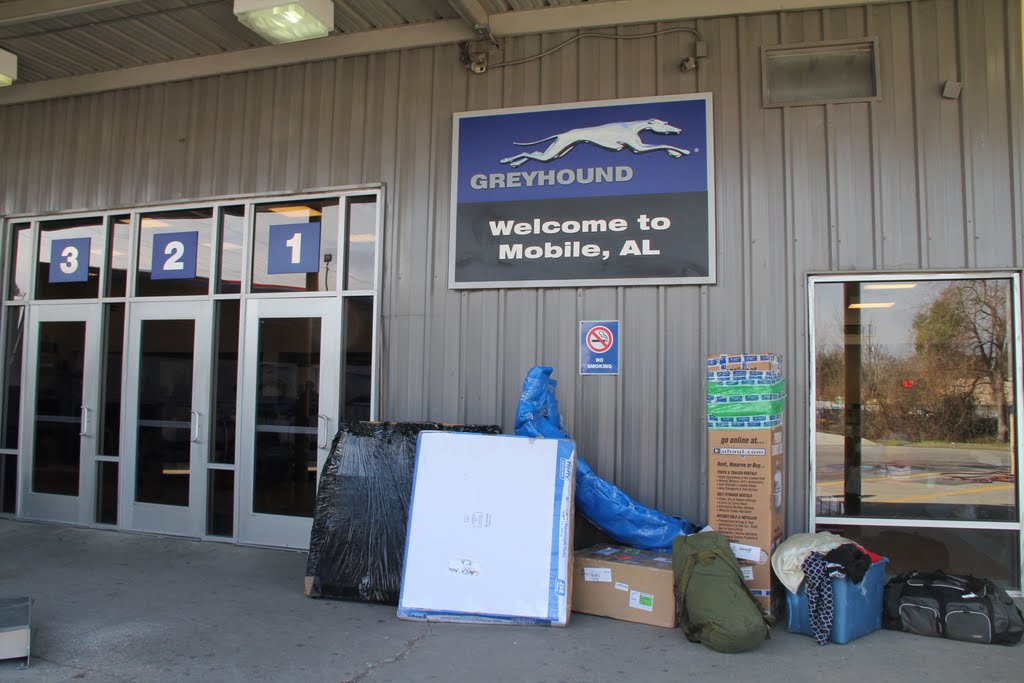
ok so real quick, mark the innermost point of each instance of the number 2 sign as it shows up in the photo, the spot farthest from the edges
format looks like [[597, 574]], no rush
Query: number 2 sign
[[293, 248], [69, 260], [174, 255]]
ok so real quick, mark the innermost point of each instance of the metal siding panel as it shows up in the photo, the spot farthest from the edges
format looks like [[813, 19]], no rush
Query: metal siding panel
[[520, 82], [939, 139], [640, 354], [985, 107], [445, 341], [350, 120], [725, 325], [411, 245], [849, 128], [596, 420], [764, 208], [893, 136], [633, 81], [808, 189], [257, 129], [317, 129], [681, 424], [844, 22], [801, 27], [598, 65]]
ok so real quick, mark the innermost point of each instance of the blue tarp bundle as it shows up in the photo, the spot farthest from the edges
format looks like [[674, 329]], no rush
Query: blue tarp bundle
[[606, 506]]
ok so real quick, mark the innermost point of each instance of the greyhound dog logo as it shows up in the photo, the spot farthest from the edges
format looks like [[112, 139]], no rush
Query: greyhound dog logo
[[611, 136]]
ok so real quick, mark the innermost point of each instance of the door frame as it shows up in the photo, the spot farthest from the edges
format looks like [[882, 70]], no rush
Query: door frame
[[48, 506], [154, 517], [282, 531]]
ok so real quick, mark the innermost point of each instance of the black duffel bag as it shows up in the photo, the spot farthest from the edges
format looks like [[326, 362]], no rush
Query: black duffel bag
[[951, 606]]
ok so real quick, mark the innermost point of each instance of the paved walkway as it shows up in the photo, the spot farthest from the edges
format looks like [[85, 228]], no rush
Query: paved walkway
[[125, 607]]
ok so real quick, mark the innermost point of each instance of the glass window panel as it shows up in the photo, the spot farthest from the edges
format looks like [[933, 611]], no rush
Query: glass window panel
[[915, 383], [8, 482], [231, 255], [21, 258], [119, 256], [113, 353], [165, 412], [361, 243], [358, 359], [58, 419], [994, 554], [70, 258], [106, 492], [221, 508], [13, 341], [283, 258], [225, 375], [287, 405], [179, 241], [815, 75]]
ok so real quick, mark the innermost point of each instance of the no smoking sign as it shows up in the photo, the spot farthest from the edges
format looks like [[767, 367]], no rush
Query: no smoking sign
[[599, 347]]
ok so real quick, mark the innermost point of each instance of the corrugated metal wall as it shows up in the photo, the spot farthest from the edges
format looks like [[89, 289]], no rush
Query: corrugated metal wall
[[913, 181]]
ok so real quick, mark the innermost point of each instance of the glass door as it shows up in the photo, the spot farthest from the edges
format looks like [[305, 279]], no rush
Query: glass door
[[59, 426], [166, 417], [291, 379]]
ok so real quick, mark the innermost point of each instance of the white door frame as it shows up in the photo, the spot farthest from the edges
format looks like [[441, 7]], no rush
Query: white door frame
[[167, 519], [281, 530], [47, 506]]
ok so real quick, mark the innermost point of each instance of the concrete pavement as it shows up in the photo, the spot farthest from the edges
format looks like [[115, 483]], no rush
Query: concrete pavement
[[113, 606]]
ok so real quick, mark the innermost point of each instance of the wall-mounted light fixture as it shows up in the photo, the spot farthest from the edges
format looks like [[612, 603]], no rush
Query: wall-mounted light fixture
[[280, 21], [8, 68]]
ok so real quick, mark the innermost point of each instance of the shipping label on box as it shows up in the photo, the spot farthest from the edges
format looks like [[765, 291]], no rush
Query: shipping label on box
[[625, 583]]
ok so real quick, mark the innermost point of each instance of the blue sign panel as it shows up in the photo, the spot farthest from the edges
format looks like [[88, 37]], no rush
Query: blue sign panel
[[599, 347], [174, 255], [69, 260], [595, 193], [293, 248]]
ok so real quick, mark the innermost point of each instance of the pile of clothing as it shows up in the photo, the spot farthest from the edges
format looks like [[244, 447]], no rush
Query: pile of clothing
[[814, 560]]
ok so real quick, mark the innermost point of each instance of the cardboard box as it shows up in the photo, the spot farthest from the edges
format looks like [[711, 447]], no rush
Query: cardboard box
[[746, 494], [746, 484], [490, 530], [763, 362], [625, 583]]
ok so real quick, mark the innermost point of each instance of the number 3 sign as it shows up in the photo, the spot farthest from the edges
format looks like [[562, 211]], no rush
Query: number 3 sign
[[69, 260], [294, 248], [174, 255]]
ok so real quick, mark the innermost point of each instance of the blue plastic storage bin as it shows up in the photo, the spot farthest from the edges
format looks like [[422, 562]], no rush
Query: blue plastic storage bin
[[858, 606]]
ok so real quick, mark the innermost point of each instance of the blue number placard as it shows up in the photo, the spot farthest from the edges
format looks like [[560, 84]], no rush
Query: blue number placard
[[69, 260], [174, 255], [294, 248]]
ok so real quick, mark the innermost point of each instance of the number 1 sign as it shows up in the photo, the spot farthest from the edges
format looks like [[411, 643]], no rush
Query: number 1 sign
[[293, 248], [174, 255]]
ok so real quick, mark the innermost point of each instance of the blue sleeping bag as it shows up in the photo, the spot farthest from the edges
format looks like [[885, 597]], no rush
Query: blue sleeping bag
[[606, 506]]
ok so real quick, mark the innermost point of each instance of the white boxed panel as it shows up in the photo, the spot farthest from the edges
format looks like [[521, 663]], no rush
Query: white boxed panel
[[490, 530]]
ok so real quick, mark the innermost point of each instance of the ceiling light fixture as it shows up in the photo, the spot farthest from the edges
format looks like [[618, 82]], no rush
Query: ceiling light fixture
[[878, 304], [8, 68], [280, 21]]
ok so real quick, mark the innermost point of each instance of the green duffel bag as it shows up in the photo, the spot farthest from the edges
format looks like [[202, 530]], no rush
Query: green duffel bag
[[717, 609]]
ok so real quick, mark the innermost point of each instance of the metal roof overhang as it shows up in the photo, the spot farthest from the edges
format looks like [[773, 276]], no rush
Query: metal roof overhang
[[509, 23]]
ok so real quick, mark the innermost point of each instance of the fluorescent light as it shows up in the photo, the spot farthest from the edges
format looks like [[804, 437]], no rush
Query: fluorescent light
[[8, 68], [280, 21], [891, 285], [878, 304], [295, 211], [361, 238], [148, 222]]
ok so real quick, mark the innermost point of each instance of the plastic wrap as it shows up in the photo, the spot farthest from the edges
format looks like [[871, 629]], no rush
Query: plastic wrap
[[362, 506], [600, 502]]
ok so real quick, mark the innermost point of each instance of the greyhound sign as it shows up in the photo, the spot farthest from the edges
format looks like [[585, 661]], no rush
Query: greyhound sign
[[588, 194]]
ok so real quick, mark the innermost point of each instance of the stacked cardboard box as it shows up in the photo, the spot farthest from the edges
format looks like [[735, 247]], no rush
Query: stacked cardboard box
[[746, 447], [624, 583]]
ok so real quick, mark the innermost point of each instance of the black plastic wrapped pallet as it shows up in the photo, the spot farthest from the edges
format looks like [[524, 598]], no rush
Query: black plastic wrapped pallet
[[357, 542]]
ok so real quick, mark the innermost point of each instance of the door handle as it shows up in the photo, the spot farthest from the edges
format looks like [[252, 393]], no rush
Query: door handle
[[326, 421], [84, 422], [194, 426]]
